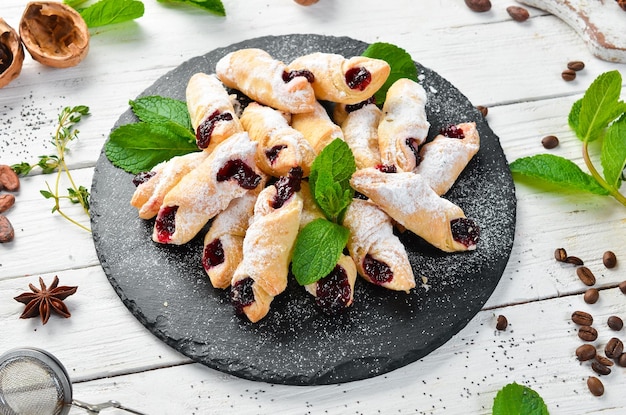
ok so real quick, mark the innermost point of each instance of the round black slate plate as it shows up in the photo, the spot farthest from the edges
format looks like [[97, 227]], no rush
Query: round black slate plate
[[166, 289]]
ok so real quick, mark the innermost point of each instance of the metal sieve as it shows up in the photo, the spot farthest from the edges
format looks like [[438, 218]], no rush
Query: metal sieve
[[34, 382]]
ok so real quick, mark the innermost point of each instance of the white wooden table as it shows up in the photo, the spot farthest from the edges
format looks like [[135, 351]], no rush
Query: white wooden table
[[512, 68]]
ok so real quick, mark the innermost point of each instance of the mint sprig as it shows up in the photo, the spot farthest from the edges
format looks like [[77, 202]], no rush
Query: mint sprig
[[106, 12], [213, 6], [515, 399], [598, 116], [401, 63]]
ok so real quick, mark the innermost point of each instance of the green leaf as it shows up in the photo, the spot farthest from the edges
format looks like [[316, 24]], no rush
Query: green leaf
[[613, 155], [157, 109], [514, 399], [46, 194], [558, 171], [212, 6], [106, 12], [139, 147], [574, 114], [317, 250], [74, 3], [22, 169], [402, 65]]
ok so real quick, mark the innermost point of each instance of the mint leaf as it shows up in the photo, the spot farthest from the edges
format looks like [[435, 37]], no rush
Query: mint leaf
[[139, 147], [212, 6], [574, 114], [514, 399], [330, 179], [613, 155], [106, 12], [74, 3], [557, 170], [157, 109], [402, 65], [317, 250]]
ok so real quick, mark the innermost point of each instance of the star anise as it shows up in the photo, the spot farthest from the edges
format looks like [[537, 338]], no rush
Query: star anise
[[43, 302]]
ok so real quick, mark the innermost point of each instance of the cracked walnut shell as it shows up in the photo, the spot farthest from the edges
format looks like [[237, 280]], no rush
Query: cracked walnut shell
[[54, 34], [11, 54]]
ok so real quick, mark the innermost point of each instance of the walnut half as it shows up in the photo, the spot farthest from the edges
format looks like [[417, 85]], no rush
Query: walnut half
[[11, 54]]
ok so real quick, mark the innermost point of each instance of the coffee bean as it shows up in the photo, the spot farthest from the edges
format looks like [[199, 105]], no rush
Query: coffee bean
[[595, 386], [574, 260], [479, 5], [622, 287], [6, 230], [550, 141], [568, 75], [585, 352], [609, 260], [519, 14], [614, 348], [585, 275], [560, 254], [604, 360], [591, 295], [582, 319], [502, 323], [622, 360], [600, 369], [587, 333], [576, 65], [483, 110], [615, 323]]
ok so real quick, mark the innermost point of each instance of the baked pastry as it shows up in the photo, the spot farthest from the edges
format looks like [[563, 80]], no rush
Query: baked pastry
[[410, 201], [360, 132], [444, 158], [227, 173], [266, 80], [249, 298], [280, 147], [378, 254], [335, 292], [316, 127], [342, 80], [403, 126], [149, 194]]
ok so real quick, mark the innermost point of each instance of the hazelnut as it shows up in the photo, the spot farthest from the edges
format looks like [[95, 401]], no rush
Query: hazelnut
[[54, 34], [11, 54]]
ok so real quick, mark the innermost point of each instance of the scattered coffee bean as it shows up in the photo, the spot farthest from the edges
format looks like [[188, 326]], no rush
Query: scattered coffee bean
[[614, 348], [574, 260], [6, 230], [576, 65], [609, 260], [6, 201], [306, 2], [560, 254], [587, 333], [502, 323], [585, 352], [550, 141], [585, 275], [600, 369], [519, 14], [604, 360], [568, 75], [621, 361], [615, 323], [483, 110], [591, 295], [582, 319], [479, 5], [622, 287], [595, 386], [9, 180]]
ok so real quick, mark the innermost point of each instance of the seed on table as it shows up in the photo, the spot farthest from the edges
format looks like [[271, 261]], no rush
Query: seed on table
[[614, 348], [581, 318], [6, 230], [560, 254], [585, 275], [585, 352], [587, 333], [604, 360], [600, 369], [479, 5], [502, 323], [609, 260], [6, 201], [615, 323], [568, 75], [622, 360], [306, 2], [576, 65], [483, 110], [591, 295], [9, 180], [595, 386], [574, 260], [550, 141], [622, 287], [519, 14]]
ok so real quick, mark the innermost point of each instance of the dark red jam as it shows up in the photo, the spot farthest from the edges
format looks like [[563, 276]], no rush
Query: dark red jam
[[205, 129], [452, 131], [240, 171], [355, 107], [286, 186], [412, 143], [465, 231], [213, 254], [288, 76], [272, 153], [358, 78], [241, 294], [333, 291], [377, 271], [387, 168], [143, 177], [165, 223]]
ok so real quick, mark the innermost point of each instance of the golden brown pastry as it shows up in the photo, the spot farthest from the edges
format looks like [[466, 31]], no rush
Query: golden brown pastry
[[410, 201], [211, 111], [249, 298], [280, 147], [360, 132], [335, 292], [346, 81], [403, 126], [378, 254], [265, 80], [316, 127], [310, 209], [229, 172], [444, 158]]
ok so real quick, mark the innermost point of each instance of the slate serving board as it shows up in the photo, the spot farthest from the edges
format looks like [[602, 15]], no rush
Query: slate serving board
[[166, 289]]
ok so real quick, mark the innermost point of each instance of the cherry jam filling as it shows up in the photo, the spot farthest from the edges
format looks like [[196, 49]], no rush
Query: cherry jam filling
[[377, 271], [241, 172], [272, 153], [165, 223], [412, 143], [358, 78], [286, 186], [452, 131], [241, 294], [355, 107], [143, 177], [333, 291], [213, 254], [288, 76], [205, 129], [387, 168], [465, 231]]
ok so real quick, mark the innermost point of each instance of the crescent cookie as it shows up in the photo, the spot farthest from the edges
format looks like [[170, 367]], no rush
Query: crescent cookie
[[335, 292], [346, 81], [378, 254], [211, 111], [316, 127], [410, 201], [265, 80], [444, 158], [403, 126], [360, 132]]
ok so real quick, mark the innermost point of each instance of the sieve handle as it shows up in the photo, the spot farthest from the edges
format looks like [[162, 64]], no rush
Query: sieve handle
[[95, 409]]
